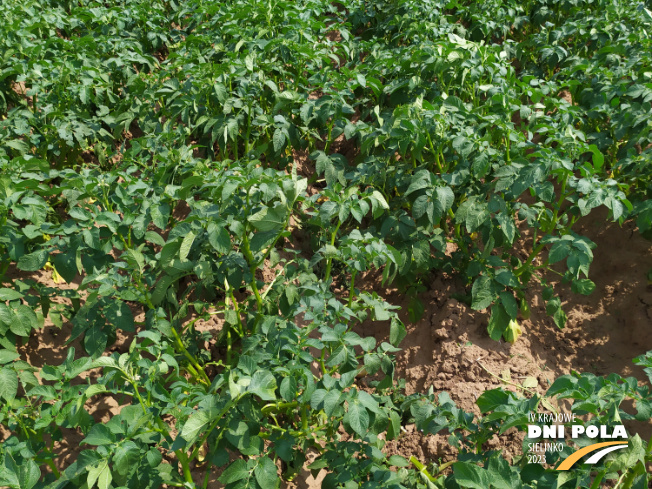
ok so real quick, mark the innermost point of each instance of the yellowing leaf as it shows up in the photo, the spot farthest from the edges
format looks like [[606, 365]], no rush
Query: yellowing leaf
[[513, 331]]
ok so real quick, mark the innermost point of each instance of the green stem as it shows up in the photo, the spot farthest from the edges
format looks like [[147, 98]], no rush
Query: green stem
[[236, 308], [247, 143], [436, 153], [185, 466], [443, 467], [421, 468], [597, 480], [321, 361], [252, 269], [304, 418], [202, 377], [329, 261], [229, 343], [138, 396], [507, 155], [555, 213], [352, 290], [519, 271], [53, 467], [328, 141], [207, 476], [220, 416], [277, 407]]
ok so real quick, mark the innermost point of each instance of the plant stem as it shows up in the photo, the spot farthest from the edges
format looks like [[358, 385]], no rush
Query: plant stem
[[597, 480], [421, 468], [185, 466], [53, 467], [555, 213], [304, 418], [220, 416], [252, 269], [236, 308], [321, 360], [278, 406], [436, 153], [207, 476], [329, 261], [519, 271], [201, 374], [352, 290]]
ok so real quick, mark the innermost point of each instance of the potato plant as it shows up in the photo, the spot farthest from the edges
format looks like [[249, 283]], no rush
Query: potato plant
[[149, 160]]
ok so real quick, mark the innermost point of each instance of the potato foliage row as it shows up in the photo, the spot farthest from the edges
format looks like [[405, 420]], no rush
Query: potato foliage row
[[148, 165]]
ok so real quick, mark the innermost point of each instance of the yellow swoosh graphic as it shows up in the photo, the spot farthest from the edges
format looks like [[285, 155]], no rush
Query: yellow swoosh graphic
[[568, 463]]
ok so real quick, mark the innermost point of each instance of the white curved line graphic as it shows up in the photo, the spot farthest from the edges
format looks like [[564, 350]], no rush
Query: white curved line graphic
[[595, 458]]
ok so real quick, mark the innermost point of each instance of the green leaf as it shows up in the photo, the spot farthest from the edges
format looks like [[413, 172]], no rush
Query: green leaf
[[509, 303], [99, 435], [154, 457], [278, 139], [394, 429], [470, 475], [445, 198], [263, 385], [160, 215], [500, 474], [195, 424], [24, 476], [34, 261], [598, 157], [506, 277], [498, 322], [491, 400], [100, 474], [186, 244], [119, 315], [265, 473], [269, 219], [398, 461], [24, 321], [559, 250], [154, 238], [397, 331], [95, 340], [234, 472], [219, 238], [507, 226], [17, 144], [7, 356], [583, 286], [473, 212], [161, 288], [9, 294], [331, 401], [65, 265], [126, 457], [554, 309], [220, 92], [630, 456], [288, 389], [8, 383], [358, 417], [482, 293]]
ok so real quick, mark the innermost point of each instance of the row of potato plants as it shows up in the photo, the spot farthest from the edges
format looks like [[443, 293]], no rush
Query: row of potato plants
[[147, 158]]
